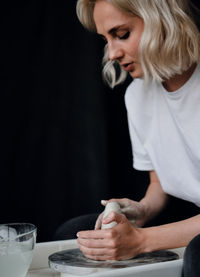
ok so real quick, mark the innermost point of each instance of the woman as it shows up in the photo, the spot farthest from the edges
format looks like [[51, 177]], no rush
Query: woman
[[157, 42]]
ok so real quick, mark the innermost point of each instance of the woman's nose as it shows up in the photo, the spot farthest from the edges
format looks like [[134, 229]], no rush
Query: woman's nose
[[115, 52]]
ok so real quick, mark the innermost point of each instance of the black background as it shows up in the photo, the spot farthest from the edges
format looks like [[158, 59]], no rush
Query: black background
[[64, 136]]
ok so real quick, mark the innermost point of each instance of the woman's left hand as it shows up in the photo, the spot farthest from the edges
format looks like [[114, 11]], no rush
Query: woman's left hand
[[121, 242]]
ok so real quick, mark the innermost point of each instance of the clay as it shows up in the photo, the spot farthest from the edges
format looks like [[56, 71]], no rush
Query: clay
[[110, 207]]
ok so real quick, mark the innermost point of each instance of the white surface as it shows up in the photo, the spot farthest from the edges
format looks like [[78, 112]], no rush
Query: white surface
[[40, 268]]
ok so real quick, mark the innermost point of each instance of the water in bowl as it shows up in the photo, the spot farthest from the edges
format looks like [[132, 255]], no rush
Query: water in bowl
[[15, 258], [17, 242]]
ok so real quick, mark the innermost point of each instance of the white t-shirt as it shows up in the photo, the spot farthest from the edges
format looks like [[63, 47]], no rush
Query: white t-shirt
[[165, 134]]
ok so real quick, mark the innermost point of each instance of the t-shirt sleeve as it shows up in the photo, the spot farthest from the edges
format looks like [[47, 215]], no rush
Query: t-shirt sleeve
[[141, 160]]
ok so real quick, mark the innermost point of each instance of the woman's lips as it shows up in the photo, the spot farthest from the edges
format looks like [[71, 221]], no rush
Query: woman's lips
[[128, 66]]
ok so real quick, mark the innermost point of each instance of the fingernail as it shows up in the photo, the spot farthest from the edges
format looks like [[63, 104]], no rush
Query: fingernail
[[103, 202], [77, 235]]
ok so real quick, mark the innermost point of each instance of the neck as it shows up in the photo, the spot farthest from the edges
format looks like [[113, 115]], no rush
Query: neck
[[177, 81]]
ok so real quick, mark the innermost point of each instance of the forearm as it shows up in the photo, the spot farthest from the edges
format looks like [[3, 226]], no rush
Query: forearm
[[154, 200], [172, 235]]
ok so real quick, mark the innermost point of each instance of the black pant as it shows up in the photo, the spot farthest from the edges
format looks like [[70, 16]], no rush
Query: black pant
[[191, 261], [69, 229]]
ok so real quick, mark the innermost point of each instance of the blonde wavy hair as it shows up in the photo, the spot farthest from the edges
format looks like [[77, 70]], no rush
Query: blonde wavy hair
[[170, 42]]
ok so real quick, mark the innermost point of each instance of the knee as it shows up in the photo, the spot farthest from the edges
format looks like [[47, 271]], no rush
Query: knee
[[191, 263], [69, 229]]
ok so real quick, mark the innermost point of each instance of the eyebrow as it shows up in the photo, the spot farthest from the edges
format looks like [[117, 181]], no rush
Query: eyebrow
[[114, 29]]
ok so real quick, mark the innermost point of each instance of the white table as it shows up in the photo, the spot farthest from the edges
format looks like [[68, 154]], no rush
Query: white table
[[40, 268]]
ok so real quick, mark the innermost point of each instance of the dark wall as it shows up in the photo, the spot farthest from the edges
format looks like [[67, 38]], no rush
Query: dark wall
[[64, 135]]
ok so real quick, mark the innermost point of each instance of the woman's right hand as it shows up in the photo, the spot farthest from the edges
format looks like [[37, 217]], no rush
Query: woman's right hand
[[133, 210]]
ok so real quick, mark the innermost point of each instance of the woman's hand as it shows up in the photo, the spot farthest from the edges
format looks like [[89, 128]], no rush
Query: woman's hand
[[134, 211], [121, 242]]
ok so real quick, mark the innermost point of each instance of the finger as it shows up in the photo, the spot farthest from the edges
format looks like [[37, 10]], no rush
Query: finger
[[93, 234], [99, 258], [98, 222], [114, 200], [118, 200], [121, 201], [97, 253], [118, 218], [104, 202], [112, 216], [95, 243]]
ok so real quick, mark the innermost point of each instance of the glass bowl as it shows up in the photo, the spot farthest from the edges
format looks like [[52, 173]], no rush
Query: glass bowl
[[17, 242]]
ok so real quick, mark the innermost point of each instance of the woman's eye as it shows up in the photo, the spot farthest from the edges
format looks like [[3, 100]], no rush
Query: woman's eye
[[125, 36]]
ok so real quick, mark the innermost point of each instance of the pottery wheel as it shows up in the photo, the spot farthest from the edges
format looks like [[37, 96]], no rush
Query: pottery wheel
[[65, 261]]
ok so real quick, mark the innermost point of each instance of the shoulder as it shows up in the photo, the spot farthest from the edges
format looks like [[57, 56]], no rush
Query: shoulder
[[138, 93], [134, 91], [135, 86]]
